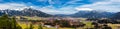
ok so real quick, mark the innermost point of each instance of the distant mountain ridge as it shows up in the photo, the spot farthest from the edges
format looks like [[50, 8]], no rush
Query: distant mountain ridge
[[34, 12], [116, 16], [89, 14], [25, 12]]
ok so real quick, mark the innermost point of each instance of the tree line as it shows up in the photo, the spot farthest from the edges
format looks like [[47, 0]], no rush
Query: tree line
[[7, 22]]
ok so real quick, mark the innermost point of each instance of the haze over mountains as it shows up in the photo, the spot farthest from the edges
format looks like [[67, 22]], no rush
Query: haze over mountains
[[83, 14]]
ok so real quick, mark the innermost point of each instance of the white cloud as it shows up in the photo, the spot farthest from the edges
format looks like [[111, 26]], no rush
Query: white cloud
[[107, 5], [12, 6], [110, 6], [51, 2], [63, 10], [74, 2], [84, 9]]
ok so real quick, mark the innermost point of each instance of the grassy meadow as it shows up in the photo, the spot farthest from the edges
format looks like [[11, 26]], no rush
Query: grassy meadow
[[24, 25]]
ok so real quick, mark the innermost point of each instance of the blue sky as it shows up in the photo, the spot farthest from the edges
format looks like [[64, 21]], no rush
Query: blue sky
[[62, 6]]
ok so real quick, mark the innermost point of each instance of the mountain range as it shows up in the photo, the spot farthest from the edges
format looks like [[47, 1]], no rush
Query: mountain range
[[83, 14], [93, 14], [89, 14], [25, 12], [116, 16]]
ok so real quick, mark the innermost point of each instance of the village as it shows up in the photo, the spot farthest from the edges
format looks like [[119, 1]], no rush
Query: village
[[74, 23]]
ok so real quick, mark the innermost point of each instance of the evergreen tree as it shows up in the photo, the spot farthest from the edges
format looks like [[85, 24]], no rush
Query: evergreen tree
[[4, 22], [13, 21], [14, 24], [19, 27], [8, 23], [31, 26], [40, 27]]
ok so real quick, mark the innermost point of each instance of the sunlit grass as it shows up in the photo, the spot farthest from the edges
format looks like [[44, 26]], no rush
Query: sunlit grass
[[23, 25], [30, 18], [88, 24], [114, 26]]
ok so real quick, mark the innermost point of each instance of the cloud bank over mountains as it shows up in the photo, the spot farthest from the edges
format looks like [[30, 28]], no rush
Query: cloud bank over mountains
[[62, 6]]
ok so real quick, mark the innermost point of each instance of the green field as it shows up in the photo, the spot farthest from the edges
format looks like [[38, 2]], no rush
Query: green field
[[88, 24]]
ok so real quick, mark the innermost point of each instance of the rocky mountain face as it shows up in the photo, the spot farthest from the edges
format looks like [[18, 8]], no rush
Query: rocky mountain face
[[24, 12]]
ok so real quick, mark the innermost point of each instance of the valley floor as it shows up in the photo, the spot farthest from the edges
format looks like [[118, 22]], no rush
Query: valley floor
[[24, 25]]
